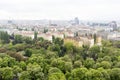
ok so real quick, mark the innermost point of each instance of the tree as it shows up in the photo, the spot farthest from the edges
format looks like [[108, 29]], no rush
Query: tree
[[51, 55], [117, 65], [18, 39], [45, 30], [84, 51], [58, 41], [105, 74], [44, 44], [105, 64], [77, 64], [25, 75], [7, 73], [41, 39], [35, 35], [22, 65], [68, 66], [93, 52], [97, 65], [89, 62], [56, 75], [116, 44], [76, 34], [99, 74], [35, 72], [62, 65], [95, 37], [107, 58], [28, 53], [79, 73], [115, 74], [54, 70], [4, 37], [68, 76], [17, 70], [106, 43], [56, 48], [28, 40], [69, 48], [7, 62]]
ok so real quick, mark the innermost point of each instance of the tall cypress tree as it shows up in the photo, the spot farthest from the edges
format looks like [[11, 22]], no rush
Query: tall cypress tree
[[95, 37]]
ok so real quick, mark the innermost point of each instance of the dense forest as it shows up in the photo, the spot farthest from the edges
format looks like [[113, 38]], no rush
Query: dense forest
[[23, 58]]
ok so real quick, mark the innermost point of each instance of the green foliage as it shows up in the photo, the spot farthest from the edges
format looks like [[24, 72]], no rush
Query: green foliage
[[95, 37], [28, 40], [35, 72], [19, 47], [22, 65], [79, 73], [44, 44], [40, 59], [58, 41], [89, 62], [17, 70], [56, 76], [116, 44], [99, 74], [41, 39], [45, 30], [18, 39], [7, 73], [115, 74], [25, 75], [68, 66], [54, 70], [106, 43], [105, 64], [35, 35], [28, 53], [93, 52], [77, 64], [4, 37], [7, 62], [107, 58]]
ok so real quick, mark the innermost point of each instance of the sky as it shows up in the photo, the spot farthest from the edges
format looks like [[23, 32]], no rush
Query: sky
[[60, 9]]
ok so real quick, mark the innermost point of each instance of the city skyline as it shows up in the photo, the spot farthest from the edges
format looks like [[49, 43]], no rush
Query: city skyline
[[60, 9]]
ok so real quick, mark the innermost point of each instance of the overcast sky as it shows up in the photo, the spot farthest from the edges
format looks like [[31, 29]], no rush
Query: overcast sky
[[60, 9]]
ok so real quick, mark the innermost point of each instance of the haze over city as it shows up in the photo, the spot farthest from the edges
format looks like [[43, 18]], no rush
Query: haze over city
[[59, 40], [60, 9]]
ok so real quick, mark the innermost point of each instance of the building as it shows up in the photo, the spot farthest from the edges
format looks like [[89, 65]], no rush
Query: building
[[75, 41], [87, 41], [69, 34], [25, 33], [99, 41], [114, 36], [58, 34], [113, 24], [80, 41], [76, 21], [45, 36]]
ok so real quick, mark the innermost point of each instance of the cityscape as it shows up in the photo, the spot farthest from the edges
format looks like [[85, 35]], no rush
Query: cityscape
[[59, 40], [63, 29]]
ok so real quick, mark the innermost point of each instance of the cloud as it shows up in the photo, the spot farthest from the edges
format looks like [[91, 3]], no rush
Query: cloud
[[60, 9]]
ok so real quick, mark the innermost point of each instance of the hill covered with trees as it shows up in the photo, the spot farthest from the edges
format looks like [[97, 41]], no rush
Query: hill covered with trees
[[23, 58]]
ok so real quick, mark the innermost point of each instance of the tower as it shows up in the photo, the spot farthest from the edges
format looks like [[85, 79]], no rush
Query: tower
[[113, 24], [76, 20]]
